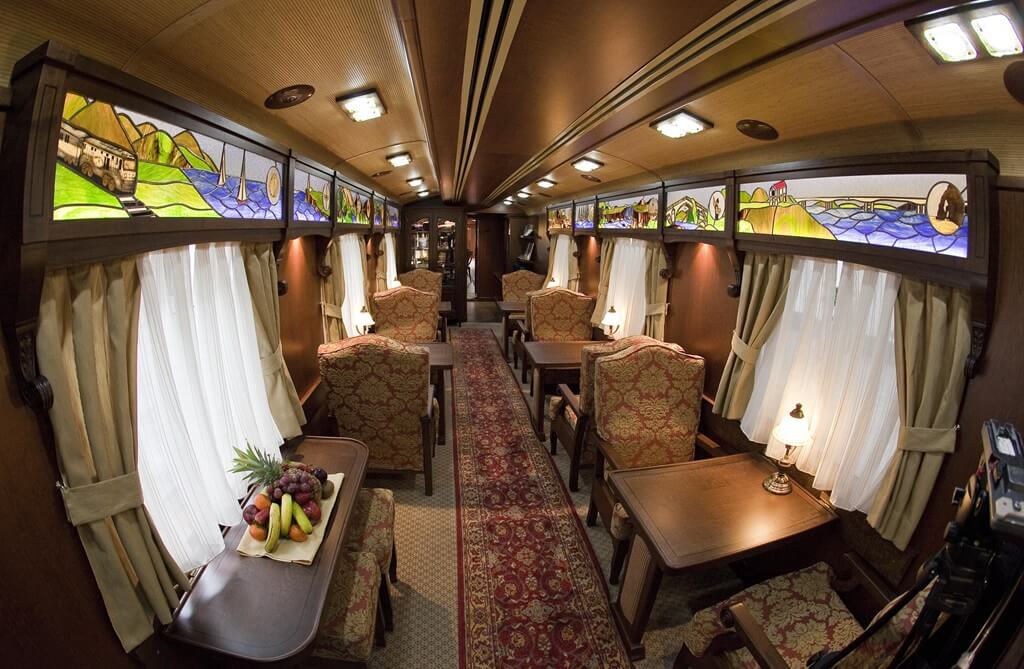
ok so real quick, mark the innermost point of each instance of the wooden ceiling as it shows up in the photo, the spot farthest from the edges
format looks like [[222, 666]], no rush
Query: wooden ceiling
[[490, 95]]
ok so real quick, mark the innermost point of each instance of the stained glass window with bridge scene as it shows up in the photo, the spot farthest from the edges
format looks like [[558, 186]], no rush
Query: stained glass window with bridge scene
[[918, 212], [116, 163]]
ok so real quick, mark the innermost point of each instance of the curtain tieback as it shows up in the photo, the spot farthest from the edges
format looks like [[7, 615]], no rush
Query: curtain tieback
[[272, 363], [331, 310], [657, 309], [743, 350], [928, 439], [96, 501]]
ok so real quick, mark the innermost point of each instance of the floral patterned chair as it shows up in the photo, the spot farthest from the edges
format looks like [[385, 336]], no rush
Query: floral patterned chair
[[555, 314], [378, 391], [352, 620], [514, 288], [790, 618], [372, 530], [422, 279], [406, 314], [572, 415], [647, 410]]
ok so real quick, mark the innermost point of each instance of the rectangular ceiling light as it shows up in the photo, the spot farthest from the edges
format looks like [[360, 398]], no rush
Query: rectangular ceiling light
[[951, 42], [415, 182], [997, 35], [522, 195], [508, 200], [680, 124], [362, 106], [423, 193], [587, 165], [546, 183], [400, 159]]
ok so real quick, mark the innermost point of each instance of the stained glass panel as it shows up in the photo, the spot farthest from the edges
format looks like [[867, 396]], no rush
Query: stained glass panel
[[560, 218], [634, 212], [311, 197], [378, 212], [919, 212], [394, 220], [584, 216], [113, 162], [354, 206], [696, 209]]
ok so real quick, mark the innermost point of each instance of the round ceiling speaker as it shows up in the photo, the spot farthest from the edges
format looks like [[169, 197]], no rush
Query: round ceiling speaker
[[1013, 79], [289, 96], [591, 177], [757, 129], [380, 174]]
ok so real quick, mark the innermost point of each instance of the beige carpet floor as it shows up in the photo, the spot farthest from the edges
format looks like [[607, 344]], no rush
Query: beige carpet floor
[[426, 602]]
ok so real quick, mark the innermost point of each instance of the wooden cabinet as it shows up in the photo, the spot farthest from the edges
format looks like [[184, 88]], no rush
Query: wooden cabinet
[[434, 238]]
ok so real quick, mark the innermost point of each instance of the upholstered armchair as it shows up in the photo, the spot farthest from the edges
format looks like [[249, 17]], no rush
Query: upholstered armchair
[[782, 622], [516, 285], [572, 416], [556, 314], [422, 279], [406, 314], [378, 391], [647, 412]]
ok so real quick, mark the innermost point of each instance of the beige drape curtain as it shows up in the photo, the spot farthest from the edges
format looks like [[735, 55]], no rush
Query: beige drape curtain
[[552, 240], [332, 295], [88, 319], [601, 305], [380, 279], [762, 299], [657, 290], [574, 265], [261, 274], [932, 342]]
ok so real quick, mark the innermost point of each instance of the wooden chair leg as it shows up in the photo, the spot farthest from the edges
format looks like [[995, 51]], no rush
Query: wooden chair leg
[[385, 606], [428, 459], [524, 371], [592, 511], [618, 559], [378, 629], [393, 568], [554, 441], [574, 469]]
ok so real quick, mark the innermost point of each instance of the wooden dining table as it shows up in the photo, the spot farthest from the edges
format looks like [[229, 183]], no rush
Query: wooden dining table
[[507, 309], [261, 610], [442, 359], [551, 362]]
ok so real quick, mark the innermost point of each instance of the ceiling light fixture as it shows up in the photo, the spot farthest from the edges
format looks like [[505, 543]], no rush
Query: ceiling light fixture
[[362, 106], [423, 193], [680, 124], [546, 183], [508, 200], [971, 31], [289, 96], [997, 35], [587, 164], [522, 195], [399, 159], [951, 43], [415, 182]]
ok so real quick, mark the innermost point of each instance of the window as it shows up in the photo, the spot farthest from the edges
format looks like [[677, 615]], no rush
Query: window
[[200, 394], [627, 290], [834, 352], [353, 266], [391, 261], [560, 251]]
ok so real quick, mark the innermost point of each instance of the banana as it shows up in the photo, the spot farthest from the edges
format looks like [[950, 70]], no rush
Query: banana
[[286, 513], [274, 531], [301, 518]]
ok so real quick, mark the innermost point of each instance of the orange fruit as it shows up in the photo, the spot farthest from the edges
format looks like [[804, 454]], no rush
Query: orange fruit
[[261, 501], [295, 533], [258, 533]]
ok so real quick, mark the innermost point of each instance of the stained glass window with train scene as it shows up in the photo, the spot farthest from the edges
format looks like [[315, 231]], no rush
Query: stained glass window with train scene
[[560, 219], [701, 208], [116, 163], [355, 207], [918, 212], [584, 216], [394, 220], [633, 212], [311, 197]]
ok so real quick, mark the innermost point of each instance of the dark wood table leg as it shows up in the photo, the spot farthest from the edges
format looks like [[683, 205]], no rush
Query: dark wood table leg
[[632, 608], [440, 395], [507, 334], [538, 400]]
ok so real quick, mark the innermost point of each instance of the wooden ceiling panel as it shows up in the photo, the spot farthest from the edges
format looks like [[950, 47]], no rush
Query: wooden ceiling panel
[[394, 182]]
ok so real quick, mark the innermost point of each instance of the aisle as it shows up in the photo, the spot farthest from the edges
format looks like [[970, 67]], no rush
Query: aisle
[[530, 591]]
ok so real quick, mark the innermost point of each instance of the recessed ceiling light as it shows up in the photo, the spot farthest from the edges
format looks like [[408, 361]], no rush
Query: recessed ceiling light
[[546, 183], [289, 96], [997, 35], [415, 182], [522, 195], [680, 124], [951, 42], [587, 164], [755, 129], [423, 193], [508, 200], [400, 159], [362, 106]]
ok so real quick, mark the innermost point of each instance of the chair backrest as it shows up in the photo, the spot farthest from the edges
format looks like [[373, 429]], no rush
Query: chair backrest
[[884, 643], [590, 354], [406, 314], [422, 279], [516, 285], [647, 403], [377, 391], [559, 314]]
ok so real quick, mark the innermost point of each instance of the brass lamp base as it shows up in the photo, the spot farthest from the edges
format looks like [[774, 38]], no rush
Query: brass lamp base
[[778, 484]]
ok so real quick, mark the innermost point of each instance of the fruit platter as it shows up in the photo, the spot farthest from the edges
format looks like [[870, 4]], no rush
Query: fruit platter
[[292, 500]]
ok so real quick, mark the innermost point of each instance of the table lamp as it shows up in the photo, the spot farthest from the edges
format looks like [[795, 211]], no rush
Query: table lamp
[[553, 283], [363, 321], [612, 321], [794, 433]]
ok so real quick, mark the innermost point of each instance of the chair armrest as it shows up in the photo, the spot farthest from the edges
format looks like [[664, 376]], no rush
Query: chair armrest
[[571, 398], [859, 573], [709, 446], [607, 449], [753, 637]]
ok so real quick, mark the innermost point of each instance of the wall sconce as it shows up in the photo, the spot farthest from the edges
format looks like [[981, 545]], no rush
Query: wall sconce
[[794, 433], [363, 321], [612, 321]]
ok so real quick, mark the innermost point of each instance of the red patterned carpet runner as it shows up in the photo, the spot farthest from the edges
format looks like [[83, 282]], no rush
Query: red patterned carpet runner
[[530, 591]]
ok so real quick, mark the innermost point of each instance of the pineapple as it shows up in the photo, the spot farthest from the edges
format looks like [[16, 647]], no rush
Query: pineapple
[[278, 477]]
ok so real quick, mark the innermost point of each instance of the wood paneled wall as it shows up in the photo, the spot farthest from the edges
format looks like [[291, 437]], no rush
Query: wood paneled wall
[[490, 255], [589, 248], [301, 329]]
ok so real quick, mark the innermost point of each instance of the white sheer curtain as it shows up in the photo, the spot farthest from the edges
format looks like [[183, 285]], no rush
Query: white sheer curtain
[[200, 394], [833, 351], [560, 249], [627, 286], [352, 255], [391, 261]]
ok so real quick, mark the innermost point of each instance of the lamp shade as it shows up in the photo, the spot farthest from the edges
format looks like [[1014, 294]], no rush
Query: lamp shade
[[793, 430], [363, 319], [612, 318]]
